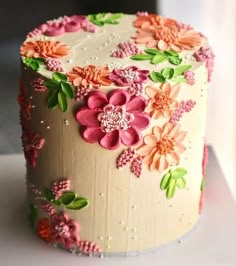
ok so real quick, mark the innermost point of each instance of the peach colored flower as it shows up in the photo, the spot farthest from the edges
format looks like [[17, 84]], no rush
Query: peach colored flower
[[89, 76], [166, 34], [162, 147], [44, 49], [162, 100]]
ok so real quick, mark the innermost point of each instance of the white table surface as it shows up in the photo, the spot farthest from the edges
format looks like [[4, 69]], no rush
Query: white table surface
[[211, 243]]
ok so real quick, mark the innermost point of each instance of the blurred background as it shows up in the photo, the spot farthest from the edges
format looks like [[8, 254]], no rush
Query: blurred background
[[216, 19]]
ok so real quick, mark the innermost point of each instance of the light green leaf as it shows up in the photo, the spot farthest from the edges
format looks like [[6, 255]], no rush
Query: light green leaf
[[153, 51], [48, 194], [59, 76], [178, 172], [62, 101], [52, 84], [179, 79], [168, 72], [78, 204], [27, 60], [116, 16], [175, 60], [165, 181], [68, 90], [181, 69], [171, 53], [157, 77], [67, 197], [202, 185], [171, 189], [181, 183], [142, 57], [159, 58], [52, 100]]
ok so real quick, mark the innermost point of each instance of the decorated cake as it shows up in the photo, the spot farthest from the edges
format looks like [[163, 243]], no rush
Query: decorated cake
[[113, 112]]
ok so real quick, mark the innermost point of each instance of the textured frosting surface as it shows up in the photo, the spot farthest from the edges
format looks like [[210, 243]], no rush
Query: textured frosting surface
[[113, 118]]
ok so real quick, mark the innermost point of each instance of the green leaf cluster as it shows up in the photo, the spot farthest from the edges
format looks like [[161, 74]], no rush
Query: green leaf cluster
[[101, 19], [34, 63], [60, 91], [156, 56], [171, 180], [169, 73], [33, 215], [69, 199]]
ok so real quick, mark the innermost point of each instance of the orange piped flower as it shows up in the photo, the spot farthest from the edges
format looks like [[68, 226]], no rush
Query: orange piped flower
[[161, 148], [89, 76], [166, 34], [162, 100], [44, 49], [44, 229]]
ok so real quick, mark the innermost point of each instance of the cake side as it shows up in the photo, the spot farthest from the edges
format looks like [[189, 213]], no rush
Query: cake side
[[131, 142]]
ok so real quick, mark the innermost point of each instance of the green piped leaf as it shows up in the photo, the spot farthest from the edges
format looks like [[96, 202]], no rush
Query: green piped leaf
[[168, 72], [53, 100], [178, 172], [158, 58], [67, 197], [62, 101], [157, 77], [171, 53], [33, 63], [67, 89], [175, 60], [101, 19], [165, 181], [202, 184], [171, 189], [52, 84], [181, 183], [179, 79], [153, 51], [48, 194], [142, 57], [181, 69], [78, 204], [33, 215], [59, 76]]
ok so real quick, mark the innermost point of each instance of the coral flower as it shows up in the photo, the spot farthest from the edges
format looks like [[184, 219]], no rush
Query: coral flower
[[162, 147], [44, 229], [64, 230], [162, 100], [45, 49], [113, 119], [166, 34], [89, 76]]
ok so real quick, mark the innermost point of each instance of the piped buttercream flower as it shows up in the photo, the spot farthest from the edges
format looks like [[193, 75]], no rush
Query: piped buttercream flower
[[162, 100], [113, 119], [45, 49], [64, 230], [162, 147], [44, 229], [128, 76]]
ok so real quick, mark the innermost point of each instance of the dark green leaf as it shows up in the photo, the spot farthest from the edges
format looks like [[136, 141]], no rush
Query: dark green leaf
[[181, 69], [34, 65], [59, 76], [202, 185], [168, 72], [157, 77], [39, 60], [142, 57], [165, 181], [52, 100], [62, 101], [33, 214], [181, 182], [68, 90], [159, 58], [171, 189], [67, 197], [153, 51], [52, 84], [48, 194], [175, 60], [78, 204], [179, 79], [171, 53], [178, 172]]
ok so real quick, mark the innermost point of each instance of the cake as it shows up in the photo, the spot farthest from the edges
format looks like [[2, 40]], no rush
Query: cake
[[113, 116]]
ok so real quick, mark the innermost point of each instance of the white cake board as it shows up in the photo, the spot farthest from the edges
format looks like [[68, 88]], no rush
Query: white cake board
[[211, 243]]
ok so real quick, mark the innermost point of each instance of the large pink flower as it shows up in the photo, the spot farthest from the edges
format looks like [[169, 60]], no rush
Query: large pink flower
[[128, 76], [64, 230], [113, 119]]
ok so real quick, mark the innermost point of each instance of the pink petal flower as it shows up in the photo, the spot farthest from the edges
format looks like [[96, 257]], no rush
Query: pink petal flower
[[96, 99], [141, 121], [130, 136], [136, 105], [111, 140], [118, 97], [87, 117], [93, 134]]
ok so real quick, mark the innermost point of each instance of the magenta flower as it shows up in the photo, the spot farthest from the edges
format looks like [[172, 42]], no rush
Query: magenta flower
[[64, 230], [128, 76], [113, 119]]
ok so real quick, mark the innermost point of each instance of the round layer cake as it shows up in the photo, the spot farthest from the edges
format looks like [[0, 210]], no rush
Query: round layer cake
[[113, 112]]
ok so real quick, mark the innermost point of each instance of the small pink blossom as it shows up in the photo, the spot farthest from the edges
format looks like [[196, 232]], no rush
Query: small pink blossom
[[113, 119], [136, 166], [184, 106], [204, 160], [125, 157], [189, 76], [128, 76], [142, 13], [38, 85], [65, 230], [126, 49], [60, 186], [54, 64], [34, 33], [135, 89], [48, 208], [88, 247], [206, 55], [81, 92]]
